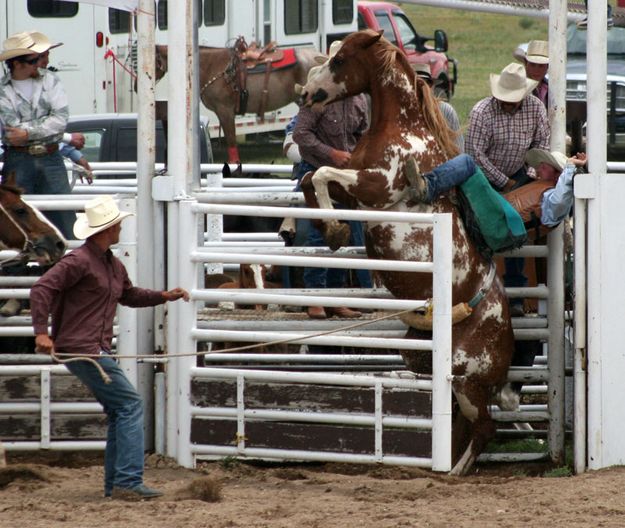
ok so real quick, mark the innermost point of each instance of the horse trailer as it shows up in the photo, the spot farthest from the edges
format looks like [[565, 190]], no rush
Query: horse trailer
[[97, 64], [98, 60]]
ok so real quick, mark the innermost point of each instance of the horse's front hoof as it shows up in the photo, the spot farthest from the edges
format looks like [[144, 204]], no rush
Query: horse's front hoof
[[337, 235]]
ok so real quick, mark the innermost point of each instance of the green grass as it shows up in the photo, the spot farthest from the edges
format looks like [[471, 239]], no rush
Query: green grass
[[482, 43]]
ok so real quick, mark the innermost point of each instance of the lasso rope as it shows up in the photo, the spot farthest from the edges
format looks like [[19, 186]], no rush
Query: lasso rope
[[235, 349]]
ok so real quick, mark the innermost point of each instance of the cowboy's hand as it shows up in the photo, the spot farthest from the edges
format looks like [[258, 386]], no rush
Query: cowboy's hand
[[175, 294], [78, 140], [88, 173], [509, 185], [43, 344], [16, 137], [579, 159], [340, 158]]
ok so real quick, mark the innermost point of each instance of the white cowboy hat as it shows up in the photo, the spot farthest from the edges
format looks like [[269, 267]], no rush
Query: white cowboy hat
[[537, 52], [100, 214], [43, 41], [23, 44], [512, 85], [334, 48], [424, 71], [535, 157], [312, 73]]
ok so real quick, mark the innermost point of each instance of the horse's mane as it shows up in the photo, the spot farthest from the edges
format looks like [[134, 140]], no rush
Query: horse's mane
[[390, 56]]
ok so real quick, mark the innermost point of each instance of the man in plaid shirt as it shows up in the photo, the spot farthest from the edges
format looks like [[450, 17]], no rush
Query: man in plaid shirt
[[504, 126], [502, 129]]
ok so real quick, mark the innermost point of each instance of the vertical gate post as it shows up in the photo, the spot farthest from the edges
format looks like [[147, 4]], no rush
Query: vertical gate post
[[441, 343], [127, 317], [186, 322]]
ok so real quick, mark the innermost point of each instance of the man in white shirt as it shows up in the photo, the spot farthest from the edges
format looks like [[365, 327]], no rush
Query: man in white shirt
[[34, 112]]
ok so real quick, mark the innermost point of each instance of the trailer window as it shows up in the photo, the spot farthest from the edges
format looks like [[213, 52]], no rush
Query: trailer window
[[119, 21], [342, 11], [52, 9], [214, 12], [162, 14], [300, 16]]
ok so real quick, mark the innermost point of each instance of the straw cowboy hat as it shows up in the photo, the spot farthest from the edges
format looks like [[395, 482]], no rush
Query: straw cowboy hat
[[25, 43], [535, 157], [537, 52], [312, 73], [424, 71], [512, 85], [334, 48], [100, 214]]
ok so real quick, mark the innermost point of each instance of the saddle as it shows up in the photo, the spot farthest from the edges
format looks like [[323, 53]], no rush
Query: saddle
[[250, 57]]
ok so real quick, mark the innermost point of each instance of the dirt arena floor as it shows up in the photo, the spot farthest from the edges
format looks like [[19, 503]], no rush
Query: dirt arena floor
[[65, 491]]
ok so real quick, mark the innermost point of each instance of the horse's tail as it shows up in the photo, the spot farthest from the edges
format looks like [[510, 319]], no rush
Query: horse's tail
[[435, 121]]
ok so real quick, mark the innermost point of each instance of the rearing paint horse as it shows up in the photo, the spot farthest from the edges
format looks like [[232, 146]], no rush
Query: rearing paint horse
[[406, 122], [217, 71], [24, 228]]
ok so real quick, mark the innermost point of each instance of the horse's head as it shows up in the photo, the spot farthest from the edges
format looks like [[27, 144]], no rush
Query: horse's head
[[161, 62], [24, 228], [348, 72]]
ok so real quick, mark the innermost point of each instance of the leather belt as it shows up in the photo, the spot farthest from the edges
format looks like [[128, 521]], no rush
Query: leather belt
[[36, 150]]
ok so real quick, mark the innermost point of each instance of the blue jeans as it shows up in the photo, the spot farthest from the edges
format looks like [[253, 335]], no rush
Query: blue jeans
[[330, 278], [449, 174], [123, 458], [43, 175], [514, 276]]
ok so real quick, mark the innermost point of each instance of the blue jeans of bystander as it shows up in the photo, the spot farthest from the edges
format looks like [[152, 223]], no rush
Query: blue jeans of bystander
[[330, 278], [123, 458]]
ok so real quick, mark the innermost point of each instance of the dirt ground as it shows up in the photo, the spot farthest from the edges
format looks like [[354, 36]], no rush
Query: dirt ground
[[66, 492]]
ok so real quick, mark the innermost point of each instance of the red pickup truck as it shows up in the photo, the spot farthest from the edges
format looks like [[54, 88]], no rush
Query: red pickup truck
[[398, 29]]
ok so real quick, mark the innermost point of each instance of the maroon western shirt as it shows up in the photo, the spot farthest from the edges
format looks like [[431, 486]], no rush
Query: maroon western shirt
[[81, 292]]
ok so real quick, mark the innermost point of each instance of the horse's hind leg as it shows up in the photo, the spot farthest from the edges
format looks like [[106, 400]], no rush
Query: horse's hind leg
[[473, 400]]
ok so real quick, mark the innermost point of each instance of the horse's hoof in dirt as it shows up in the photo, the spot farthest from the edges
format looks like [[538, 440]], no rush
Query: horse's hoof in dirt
[[337, 235]]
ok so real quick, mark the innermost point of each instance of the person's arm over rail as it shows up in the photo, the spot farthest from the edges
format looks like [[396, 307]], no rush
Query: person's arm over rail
[[557, 202]]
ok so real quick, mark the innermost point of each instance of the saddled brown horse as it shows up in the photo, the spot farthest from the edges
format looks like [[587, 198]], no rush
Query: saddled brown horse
[[25, 229], [217, 85], [406, 123]]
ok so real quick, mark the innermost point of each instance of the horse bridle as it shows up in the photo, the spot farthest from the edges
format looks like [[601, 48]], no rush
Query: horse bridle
[[28, 246]]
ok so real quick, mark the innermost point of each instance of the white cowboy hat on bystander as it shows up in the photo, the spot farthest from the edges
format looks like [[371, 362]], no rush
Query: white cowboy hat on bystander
[[512, 85], [25, 43]]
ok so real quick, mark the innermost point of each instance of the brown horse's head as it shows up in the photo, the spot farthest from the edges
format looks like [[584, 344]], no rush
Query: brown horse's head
[[348, 72], [24, 228]]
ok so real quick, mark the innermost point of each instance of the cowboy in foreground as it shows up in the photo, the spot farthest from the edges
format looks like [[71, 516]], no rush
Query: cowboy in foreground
[[82, 292]]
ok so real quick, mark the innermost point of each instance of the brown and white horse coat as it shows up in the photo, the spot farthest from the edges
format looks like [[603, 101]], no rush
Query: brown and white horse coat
[[406, 122]]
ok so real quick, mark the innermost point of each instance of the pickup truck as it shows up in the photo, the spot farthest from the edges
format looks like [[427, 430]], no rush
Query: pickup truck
[[113, 137], [398, 30]]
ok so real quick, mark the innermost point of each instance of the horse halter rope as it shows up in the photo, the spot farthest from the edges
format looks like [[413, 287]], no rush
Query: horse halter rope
[[28, 244]]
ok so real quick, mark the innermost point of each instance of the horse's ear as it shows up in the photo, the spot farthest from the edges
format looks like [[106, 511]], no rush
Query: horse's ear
[[8, 179], [373, 39], [161, 50]]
